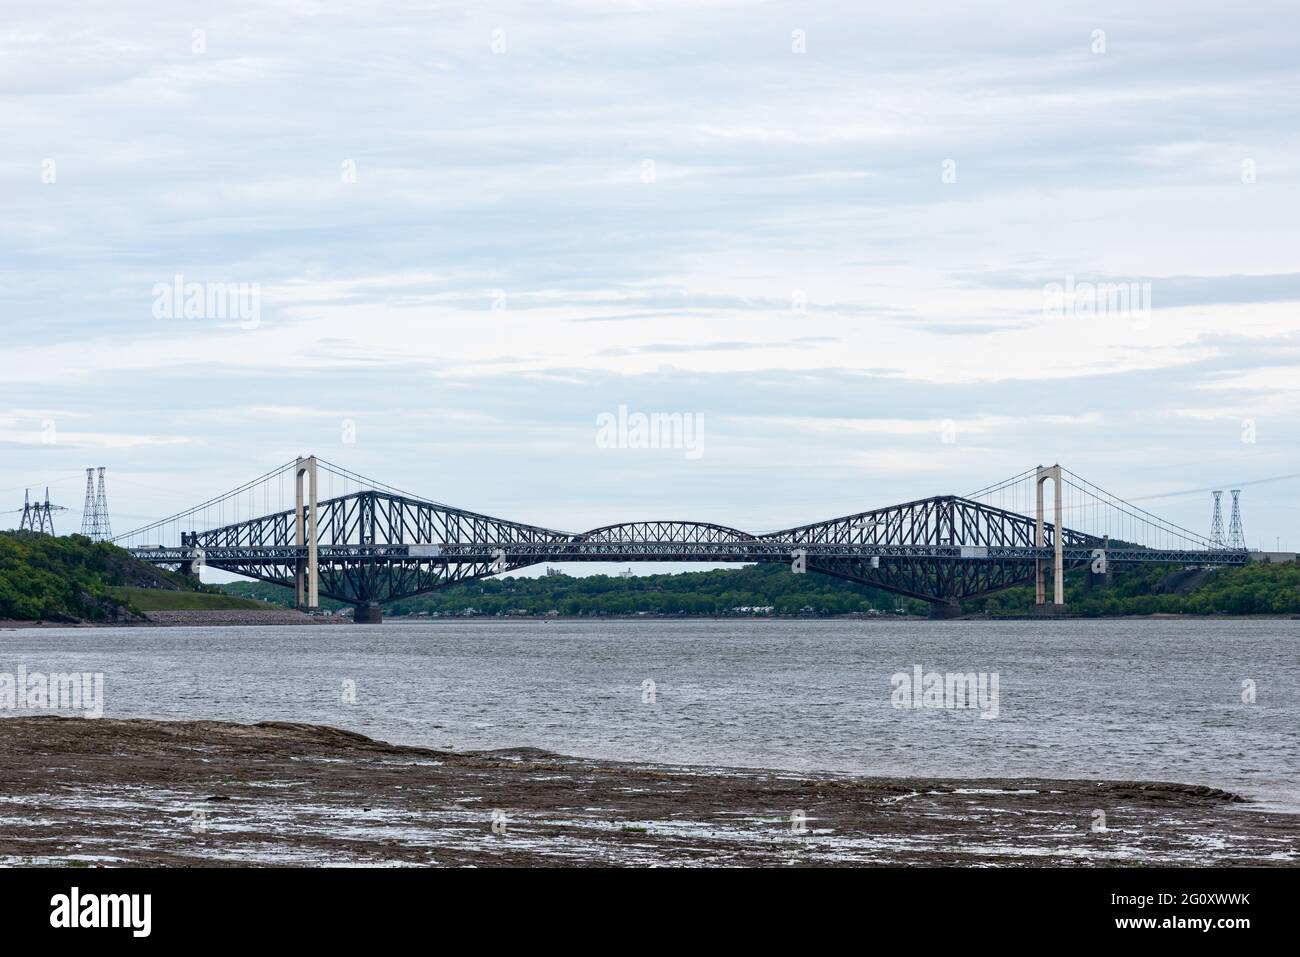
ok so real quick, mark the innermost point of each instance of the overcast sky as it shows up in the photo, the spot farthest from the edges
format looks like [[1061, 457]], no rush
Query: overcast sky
[[834, 233]]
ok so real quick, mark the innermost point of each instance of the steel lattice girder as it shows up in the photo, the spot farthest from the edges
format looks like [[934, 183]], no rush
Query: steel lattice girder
[[378, 546]]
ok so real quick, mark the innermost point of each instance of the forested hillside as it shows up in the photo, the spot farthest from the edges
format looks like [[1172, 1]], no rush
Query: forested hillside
[[71, 578], [690, 593], [1142, 590]]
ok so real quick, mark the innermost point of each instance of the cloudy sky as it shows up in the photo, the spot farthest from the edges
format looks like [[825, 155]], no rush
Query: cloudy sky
[[838, 236]]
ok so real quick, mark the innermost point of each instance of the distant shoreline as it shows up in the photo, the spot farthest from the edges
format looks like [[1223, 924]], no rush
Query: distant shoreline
[[216, 619]]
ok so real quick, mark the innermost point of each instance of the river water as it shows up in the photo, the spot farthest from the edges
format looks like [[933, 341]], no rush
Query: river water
[[1144, 699]]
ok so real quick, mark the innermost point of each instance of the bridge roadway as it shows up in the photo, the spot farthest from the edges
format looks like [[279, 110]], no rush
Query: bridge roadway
[[751, 550], [369, 575], [378, 545]]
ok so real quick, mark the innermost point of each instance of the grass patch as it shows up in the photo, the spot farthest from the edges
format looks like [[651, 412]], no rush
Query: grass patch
[[158, 599]]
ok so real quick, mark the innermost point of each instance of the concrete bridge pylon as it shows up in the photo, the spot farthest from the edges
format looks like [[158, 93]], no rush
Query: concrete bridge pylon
[[1043, 476], [306, 572]]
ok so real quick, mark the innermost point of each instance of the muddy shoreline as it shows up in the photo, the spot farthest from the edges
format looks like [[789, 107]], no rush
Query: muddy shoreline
[[203, 793]]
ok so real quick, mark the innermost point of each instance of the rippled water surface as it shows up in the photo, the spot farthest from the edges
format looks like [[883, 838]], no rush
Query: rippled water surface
[[1142, 699]]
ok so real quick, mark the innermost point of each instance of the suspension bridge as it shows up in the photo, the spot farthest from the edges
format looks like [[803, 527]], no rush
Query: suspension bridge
[[371, 543]]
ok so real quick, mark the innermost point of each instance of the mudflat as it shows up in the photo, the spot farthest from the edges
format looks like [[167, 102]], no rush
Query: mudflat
[[203, 793]]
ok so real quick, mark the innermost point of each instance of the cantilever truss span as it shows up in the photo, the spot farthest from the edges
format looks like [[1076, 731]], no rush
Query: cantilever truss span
[[376, 545]]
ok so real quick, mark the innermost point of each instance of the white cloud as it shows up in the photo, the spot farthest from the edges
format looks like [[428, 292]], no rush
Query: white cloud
[[797, 234]]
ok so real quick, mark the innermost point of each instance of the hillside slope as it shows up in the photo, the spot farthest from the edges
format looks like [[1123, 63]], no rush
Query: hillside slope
[[72, 579]]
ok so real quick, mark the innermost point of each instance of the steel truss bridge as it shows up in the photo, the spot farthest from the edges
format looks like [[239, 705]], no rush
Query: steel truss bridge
[[376, 544]]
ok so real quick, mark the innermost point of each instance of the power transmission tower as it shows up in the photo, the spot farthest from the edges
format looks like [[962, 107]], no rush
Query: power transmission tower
[[47, 515], [94, 516], [39, 516], [1236, 537], [105, 529], [26, 525], [88, 510], [1216, 524]]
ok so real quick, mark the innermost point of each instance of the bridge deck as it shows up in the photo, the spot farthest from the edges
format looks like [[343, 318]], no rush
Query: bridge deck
[[377, 545], [606, 551]]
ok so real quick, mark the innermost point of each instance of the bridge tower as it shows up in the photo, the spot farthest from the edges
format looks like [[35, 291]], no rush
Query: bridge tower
[[306, 572], [1042, 476]]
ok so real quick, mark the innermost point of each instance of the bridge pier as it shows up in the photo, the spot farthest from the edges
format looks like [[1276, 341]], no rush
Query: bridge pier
[[368, 613], [941, 610]]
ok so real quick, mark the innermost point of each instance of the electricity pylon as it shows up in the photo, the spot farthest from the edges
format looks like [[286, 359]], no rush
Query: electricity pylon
[[94, 516], [39, 516], [1236, 537]]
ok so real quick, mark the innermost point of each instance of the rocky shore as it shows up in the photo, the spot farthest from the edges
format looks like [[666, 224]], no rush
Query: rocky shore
[[186, 793]]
